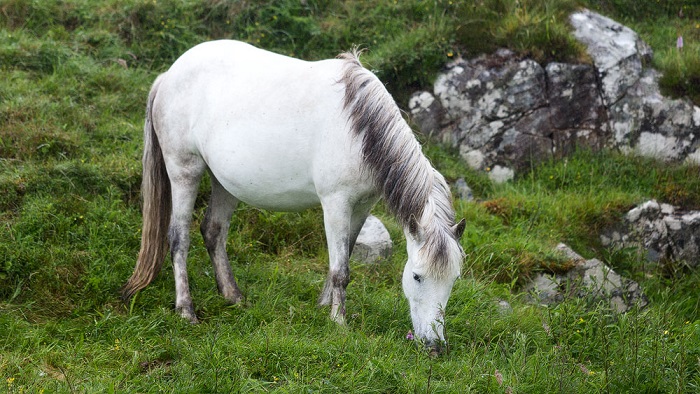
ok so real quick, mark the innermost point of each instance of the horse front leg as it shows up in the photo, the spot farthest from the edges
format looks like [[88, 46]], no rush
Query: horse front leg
[[336, 220], [342, 224]]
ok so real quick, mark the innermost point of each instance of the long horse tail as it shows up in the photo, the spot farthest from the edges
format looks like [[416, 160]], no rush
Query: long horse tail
[[157, 204]]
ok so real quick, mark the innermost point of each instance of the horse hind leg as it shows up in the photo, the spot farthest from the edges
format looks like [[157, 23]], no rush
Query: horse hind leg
[[214, 230], [185, 184]]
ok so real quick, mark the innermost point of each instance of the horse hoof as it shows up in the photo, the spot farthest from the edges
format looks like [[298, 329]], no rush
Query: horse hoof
[[434, 348], [338, 314], [234, 299], [187, 313]]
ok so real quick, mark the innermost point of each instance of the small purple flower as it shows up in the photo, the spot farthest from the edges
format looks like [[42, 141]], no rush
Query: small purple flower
[[409, 335], [679, 42]]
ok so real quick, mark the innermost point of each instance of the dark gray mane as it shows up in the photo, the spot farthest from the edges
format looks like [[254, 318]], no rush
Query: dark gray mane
[[409, 184], [396, 162]]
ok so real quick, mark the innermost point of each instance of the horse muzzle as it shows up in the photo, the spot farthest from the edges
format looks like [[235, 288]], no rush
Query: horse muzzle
[[435, 347]]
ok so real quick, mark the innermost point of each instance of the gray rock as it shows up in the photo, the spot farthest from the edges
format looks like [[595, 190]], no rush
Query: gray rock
[[499, 174], [647, 123], [427, 112], [576, 111], [464, 192], [504, 112], [589, 279], [488, 106], [527, 141], [616, 50], [661, 232], [374, 243]]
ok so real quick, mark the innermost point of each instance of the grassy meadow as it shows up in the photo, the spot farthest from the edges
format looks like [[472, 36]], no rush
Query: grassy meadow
[[74, 79]]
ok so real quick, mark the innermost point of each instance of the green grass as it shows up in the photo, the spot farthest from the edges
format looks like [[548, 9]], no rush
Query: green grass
[[75, 75]]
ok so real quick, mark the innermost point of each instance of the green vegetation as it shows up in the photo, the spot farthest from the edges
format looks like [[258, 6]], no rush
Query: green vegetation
[[75, 75]]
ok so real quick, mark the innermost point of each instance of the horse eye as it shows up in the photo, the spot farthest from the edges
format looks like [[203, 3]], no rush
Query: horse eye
[[417, 278]]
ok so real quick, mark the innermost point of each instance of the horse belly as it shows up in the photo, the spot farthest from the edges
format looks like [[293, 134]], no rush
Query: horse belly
[[265, 183], [286, 169]]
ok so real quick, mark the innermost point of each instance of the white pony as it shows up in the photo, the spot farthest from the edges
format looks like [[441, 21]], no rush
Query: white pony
[[285, 134]]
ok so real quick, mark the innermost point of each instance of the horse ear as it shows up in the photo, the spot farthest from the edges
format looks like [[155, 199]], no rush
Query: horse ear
[[458, 229]]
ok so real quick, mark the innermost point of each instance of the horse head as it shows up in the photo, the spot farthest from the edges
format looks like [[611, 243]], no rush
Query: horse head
[[428, 278]]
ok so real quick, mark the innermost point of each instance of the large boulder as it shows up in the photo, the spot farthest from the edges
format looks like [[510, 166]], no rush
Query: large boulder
[[652, 125], [616, 50], [504, 111], [576, 110]]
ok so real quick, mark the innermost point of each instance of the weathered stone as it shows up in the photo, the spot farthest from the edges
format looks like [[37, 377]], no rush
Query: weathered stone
[[499, 174], [616, 50], [373, 243], [483, 90], [464, 192], [652, 125], [576, 111], [427, 113], [661, 232], [506, 112], [571, 90], [694, 157], [589, 279], [496, 86], [527, 141], [489, 104]]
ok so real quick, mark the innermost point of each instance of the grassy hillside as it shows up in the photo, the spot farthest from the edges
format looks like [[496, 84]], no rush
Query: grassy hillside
[[75, 75]]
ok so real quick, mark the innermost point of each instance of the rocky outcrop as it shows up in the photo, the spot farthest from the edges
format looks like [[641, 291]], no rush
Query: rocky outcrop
[[588, 279], [504, 112], [663, 233], [617, 52]]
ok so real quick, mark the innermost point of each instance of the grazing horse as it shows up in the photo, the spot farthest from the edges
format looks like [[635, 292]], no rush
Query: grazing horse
[[285, 134]]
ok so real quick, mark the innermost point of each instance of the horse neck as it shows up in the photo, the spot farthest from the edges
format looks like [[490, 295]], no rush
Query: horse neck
[[438, 214]]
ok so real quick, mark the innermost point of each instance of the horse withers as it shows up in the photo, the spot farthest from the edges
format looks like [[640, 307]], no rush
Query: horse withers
[[284, 134]]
